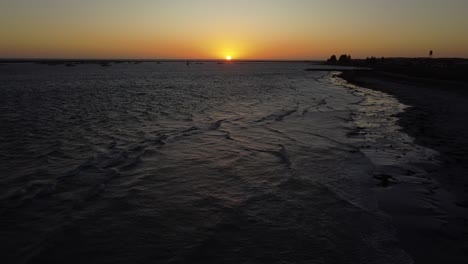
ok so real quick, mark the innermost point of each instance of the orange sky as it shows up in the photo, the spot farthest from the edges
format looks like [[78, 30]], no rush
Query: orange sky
[[212, 29]]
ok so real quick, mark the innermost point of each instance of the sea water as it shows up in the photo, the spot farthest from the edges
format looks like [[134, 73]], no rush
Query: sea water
[[175, 163]]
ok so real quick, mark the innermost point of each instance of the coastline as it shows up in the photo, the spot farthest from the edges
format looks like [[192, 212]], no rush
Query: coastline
[[430, 212]]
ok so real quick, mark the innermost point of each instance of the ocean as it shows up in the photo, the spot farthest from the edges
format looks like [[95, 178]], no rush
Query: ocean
[[174, 163]]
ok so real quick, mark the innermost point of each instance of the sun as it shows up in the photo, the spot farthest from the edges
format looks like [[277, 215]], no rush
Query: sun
[[228, 57]]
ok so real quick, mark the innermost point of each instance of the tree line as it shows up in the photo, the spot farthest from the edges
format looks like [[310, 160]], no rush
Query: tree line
[[344, 58]]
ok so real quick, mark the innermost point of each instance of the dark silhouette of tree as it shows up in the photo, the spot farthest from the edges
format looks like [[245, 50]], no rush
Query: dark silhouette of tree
[[332, 59], [344, 58], [371, 60], [431, 53]]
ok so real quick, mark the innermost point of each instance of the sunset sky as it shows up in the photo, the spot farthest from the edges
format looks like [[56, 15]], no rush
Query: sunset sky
[[244, 29]]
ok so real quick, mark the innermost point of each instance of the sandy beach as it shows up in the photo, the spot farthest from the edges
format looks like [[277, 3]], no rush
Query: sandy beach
[[430, 216]]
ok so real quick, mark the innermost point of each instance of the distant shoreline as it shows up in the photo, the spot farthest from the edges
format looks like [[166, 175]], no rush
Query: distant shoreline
[[426, 70], [355, 63]]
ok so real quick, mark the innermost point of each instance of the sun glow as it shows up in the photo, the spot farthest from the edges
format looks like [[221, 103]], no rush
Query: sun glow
[[228, 57]]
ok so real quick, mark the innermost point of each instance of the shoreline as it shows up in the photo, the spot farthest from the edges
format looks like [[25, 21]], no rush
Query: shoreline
[[431, 214]]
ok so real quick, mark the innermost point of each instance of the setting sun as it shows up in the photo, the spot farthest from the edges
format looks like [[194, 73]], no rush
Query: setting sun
[[228, 57]]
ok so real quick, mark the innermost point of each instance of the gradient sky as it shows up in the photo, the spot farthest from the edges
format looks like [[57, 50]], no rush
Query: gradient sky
[[245, 29]]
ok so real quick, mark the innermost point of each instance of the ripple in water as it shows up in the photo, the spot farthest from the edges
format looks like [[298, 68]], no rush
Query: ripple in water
[[164, 163]]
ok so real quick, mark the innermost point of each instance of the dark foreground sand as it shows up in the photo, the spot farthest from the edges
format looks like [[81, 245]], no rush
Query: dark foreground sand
[[437, 119]]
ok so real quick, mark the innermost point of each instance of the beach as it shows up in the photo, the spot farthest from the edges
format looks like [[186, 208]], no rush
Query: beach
[[253, 162], [431, 219]]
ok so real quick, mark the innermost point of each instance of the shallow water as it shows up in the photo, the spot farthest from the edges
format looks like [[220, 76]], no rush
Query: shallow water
[[165, 163]]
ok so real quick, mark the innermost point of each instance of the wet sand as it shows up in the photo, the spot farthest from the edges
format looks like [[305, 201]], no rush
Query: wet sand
[[430, 214]]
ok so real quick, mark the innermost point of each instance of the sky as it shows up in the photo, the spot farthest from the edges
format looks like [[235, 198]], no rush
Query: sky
[[244, 29]]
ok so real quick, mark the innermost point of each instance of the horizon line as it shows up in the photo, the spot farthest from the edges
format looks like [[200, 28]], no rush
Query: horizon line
[[203, 60]]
